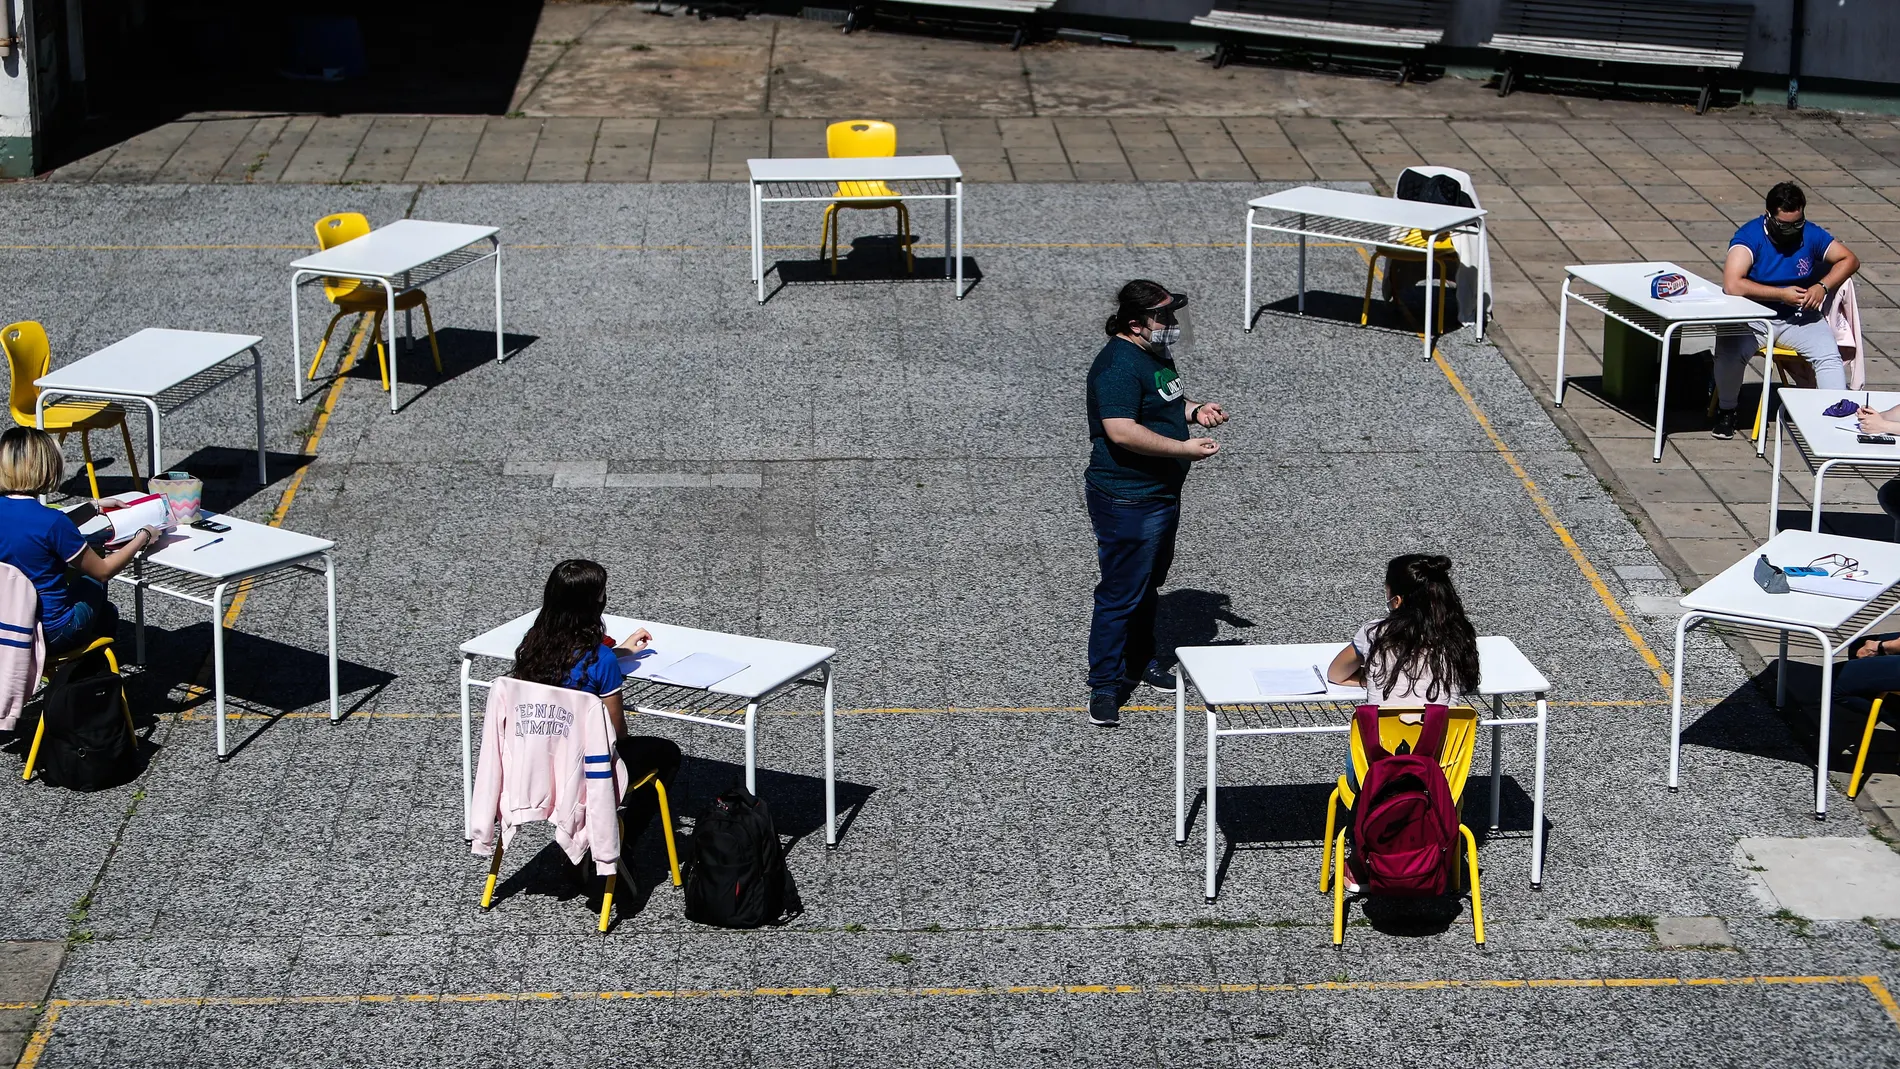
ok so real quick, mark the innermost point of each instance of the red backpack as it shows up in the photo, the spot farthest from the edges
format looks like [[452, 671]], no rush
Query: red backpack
[[1404, 833]]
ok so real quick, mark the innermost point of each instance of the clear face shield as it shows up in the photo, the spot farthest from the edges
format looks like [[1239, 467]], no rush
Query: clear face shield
[[1176, 331]]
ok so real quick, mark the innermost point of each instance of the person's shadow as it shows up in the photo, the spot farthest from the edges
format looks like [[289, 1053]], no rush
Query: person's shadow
[[1193, 618]]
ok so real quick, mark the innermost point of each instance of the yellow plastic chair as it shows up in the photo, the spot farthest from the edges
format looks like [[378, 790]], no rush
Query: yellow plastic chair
[[1443, 257], [857, 138], [39, 733], [607, 891], [1866, 740], [1461, 737], [28, 357], [354, 296]]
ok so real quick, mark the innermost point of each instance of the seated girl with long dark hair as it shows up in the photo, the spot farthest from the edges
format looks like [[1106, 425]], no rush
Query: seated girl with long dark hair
[[568, 646], [1424, 652]]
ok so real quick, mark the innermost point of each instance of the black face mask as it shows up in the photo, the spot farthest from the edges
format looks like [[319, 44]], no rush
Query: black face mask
[[1785, 233]]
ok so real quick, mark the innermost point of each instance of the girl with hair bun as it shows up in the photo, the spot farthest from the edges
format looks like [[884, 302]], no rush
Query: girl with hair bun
[[1424, 652]]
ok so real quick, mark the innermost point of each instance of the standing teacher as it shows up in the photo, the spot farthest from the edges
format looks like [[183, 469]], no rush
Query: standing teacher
[[1140, 451]]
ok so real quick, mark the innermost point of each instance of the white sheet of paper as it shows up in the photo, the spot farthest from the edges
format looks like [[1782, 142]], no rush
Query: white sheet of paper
[[1829, 586], [1276, 681], [700, 670]]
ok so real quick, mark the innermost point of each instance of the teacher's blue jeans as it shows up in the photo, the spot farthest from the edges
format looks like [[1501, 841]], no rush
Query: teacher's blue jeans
[[1134, 541]]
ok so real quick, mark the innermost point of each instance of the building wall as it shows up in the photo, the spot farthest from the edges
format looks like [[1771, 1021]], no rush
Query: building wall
[[1857, 40], [16, 98]]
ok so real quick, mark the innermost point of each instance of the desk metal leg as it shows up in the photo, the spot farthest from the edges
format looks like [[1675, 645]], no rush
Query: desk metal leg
[[1497, 759], [1767, 387], [1820, 482], [758, 240], [1213, 778], [296, 341], [155, 437], [329, 597], [499, 345], [1246, 299], [217, 659], [1302, 271], [1180, 758], [1781, 673], [752, 748], [468, 772], [831, 766], [1675, 700], [1537, 795], [959, 239], [257, 369], [1430, 240], [949, 229], [138, 613], [1774, 488], [1484, 276], [389, 328], [1827, 710], [1563, 337], [1662, 391]]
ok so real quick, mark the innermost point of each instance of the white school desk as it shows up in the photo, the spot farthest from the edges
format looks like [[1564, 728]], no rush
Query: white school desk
[[1733, 598], [814, 180], [250, 553], [1825, 443], [772, 668], [407, 254], [1235, 707], [1621, 292], [164, 370], [1362, 219]]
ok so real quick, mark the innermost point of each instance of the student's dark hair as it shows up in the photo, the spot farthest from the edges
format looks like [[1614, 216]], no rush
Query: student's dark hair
[[1786, 197], [1134, 302], [1428, 634], [569, 625]]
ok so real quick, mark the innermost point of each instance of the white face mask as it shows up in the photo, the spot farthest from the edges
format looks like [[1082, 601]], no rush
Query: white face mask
[[1165, 335]]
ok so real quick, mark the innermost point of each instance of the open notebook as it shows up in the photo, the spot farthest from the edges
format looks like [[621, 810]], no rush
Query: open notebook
[[696, 670]]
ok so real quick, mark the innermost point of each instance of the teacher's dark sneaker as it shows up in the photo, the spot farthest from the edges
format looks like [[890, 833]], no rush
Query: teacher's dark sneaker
[[1724, 425], [1156, 679], [1105, 709]]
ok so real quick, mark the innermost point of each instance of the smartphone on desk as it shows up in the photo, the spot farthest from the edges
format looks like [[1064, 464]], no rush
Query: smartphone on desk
[[206, 523]]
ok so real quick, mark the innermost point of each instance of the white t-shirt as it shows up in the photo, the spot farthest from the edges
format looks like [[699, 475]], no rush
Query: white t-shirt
[[1382, 688]]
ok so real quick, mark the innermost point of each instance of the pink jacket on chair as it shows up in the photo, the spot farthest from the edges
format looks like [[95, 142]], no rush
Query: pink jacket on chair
[[547, 753], [22, 645]]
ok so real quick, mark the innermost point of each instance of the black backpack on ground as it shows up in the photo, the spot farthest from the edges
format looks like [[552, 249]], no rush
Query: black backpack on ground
[[739, 880], [88, 745]]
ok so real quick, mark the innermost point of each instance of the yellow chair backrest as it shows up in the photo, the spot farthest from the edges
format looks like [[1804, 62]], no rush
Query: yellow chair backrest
[[1461, 737], [28, 354], [334, 230], [860, 137]]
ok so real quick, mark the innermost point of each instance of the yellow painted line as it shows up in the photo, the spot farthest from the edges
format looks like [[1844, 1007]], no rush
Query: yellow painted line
[[1884, 996], [36, 1043], [1871, 984], [1556, 525], [358, 339], [1549, 514], [947, 710]]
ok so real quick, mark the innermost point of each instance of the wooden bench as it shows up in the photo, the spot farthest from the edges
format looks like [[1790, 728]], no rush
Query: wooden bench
[[1407, 25], [1708, 37], [1018, 15]]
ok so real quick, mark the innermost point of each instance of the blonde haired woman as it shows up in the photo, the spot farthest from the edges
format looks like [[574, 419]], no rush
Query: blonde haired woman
[[46, 547]]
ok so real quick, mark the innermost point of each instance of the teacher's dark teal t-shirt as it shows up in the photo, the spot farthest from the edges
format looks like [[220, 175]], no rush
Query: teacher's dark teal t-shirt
[[1128, 382]]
